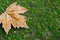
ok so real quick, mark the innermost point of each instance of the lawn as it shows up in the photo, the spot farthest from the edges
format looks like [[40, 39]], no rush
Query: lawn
[[43, 19]]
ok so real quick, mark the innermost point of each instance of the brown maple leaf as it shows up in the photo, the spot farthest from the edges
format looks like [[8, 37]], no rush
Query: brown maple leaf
[[11, 16]]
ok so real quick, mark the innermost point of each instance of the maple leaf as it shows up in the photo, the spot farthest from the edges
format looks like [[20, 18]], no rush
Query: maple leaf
[[11, 16]]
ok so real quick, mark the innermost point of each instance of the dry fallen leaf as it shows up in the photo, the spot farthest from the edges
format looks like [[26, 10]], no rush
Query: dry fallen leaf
[[11, 16]]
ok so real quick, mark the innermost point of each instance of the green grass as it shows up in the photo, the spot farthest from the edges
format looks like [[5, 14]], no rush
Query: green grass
[[43, 18]]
